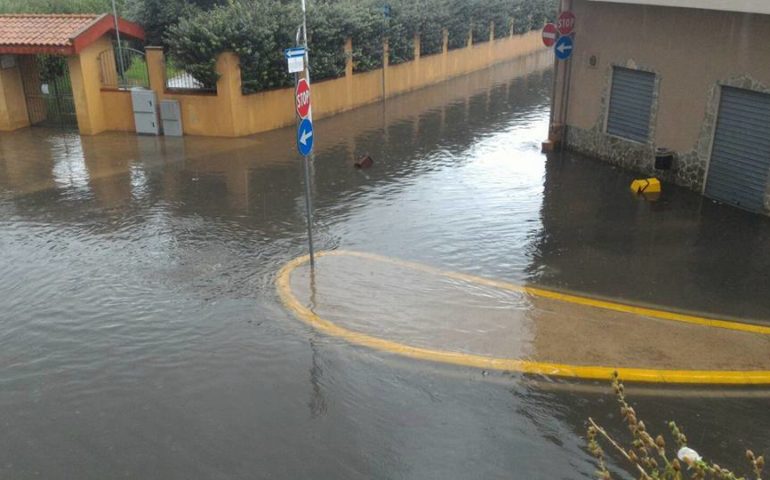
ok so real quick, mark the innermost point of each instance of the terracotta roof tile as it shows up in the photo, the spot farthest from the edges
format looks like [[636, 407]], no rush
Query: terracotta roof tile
[[31, 34], [43, 30]]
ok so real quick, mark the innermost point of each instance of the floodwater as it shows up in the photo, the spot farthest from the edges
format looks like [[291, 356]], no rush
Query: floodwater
[[142, 335]]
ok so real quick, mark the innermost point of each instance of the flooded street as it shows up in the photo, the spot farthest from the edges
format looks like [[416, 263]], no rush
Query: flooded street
[[142, 335]]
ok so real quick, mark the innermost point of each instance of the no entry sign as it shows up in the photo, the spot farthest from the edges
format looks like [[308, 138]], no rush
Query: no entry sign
[[302, 98], [566, 23], [550, 34]]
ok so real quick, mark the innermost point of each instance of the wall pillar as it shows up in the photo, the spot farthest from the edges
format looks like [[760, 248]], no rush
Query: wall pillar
[[417, 42], [445, 41], [349, 71], [87, 85], [349, 57], [156, 70], [385, 63], [13, 104], [229, 95], [444, 52], [470, 36], [491, 43]]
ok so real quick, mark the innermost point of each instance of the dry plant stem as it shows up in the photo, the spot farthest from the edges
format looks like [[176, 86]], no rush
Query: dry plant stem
[[619, 448]]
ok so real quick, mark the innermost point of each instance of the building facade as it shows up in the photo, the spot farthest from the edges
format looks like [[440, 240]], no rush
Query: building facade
[[690, 76]]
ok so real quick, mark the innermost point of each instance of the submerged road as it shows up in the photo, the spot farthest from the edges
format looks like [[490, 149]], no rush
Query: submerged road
[[424, 313], [142, 336]]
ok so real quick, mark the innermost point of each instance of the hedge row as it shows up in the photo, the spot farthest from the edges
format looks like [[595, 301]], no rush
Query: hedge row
[[259, 30]]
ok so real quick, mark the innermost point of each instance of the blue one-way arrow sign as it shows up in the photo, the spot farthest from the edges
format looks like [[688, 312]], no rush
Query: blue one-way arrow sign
[[305, 137], [564, 47]]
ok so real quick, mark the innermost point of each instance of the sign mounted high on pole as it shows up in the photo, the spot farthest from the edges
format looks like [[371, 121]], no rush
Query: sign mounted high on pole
[[566, 23], [295, 57], [302, 98], [560, 35], [550, 34]]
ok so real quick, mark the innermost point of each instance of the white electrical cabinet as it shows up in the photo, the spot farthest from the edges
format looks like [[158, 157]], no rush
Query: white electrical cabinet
[[171, 117], [145, 111]]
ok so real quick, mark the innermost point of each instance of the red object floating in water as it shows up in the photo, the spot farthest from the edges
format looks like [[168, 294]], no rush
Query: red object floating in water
[[364, 162]]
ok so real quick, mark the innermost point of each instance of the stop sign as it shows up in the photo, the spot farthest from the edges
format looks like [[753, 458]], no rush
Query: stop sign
[[566, 23], [550, 34], [302, 98]]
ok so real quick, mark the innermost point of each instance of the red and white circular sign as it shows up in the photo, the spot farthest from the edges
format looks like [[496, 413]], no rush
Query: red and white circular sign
[[550, 34], [566, 23], [302, 98]]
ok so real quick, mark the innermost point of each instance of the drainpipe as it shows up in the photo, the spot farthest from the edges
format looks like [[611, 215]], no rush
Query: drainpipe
[[567, 87], [560, 84]]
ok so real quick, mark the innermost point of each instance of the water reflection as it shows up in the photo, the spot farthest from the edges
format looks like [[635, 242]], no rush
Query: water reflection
[[683, 251], [141, 332]]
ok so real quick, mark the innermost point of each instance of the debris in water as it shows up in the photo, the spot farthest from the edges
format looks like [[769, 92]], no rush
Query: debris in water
[[364, 161]]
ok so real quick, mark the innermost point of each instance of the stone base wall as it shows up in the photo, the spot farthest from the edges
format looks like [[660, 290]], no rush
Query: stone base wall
[[690, 167]]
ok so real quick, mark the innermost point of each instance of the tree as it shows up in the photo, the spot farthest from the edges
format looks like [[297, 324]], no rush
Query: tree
[[158, 16]]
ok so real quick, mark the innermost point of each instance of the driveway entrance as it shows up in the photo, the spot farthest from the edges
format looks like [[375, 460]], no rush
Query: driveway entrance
[[48, 91]]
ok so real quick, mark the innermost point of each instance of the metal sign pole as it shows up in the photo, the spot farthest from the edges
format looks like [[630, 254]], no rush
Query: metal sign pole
[[306, 159], [120, 47]]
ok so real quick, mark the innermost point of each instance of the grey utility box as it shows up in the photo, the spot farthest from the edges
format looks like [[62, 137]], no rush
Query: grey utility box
[[171, 116], [145, 111]]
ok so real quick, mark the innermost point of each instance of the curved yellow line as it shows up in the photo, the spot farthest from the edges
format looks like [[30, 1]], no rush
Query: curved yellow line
[[726, 377]]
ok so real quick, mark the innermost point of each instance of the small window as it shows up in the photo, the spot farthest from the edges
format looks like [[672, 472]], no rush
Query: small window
[[631, 104]]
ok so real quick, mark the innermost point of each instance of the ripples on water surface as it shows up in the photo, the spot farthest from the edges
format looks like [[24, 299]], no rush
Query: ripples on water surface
[[141, 335]]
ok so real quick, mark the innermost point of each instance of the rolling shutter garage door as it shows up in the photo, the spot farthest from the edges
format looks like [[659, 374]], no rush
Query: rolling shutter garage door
[[740, 158], [630, 104]]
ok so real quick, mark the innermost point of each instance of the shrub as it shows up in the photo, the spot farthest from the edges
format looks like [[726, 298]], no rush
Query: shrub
[[255, 31], [259, 30], [648, 455]]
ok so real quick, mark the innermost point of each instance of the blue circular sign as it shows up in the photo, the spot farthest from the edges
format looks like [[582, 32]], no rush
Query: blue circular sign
[[564, 47], [305, 137]]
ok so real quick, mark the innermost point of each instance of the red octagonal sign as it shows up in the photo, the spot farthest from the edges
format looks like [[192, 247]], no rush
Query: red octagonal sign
[[566, 23], [550, 34], [302, 98]]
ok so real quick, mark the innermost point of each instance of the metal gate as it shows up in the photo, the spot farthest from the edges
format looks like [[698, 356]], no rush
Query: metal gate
[[48, 91], [740, 158]]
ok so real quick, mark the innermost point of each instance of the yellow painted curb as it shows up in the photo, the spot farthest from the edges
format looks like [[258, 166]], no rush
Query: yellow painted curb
[[702, 377]]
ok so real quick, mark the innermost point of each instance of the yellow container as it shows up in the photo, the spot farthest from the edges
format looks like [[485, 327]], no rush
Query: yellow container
[[646, 185]]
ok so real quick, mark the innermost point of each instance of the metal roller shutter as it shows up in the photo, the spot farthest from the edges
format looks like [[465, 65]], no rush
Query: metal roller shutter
[[630, 104], [740, 157]]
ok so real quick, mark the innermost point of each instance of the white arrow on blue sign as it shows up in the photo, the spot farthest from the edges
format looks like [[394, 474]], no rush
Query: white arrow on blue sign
[[564, 47], [305, 137], [294, 52], [295, 57]]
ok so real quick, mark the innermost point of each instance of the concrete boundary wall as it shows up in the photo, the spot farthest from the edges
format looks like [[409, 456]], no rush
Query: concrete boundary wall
[[230, 113]]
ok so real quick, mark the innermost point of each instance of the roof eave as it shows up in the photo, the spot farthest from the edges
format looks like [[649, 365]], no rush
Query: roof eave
[[37, 49], [104, 24]]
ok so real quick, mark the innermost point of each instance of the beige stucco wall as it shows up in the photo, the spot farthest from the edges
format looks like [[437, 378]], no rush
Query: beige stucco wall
[[118, 110], [13, 107], [692, 52], [229, 113], [84, 71]]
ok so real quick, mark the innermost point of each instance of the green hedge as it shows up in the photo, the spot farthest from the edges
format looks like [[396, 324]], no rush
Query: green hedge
[[259, 30]]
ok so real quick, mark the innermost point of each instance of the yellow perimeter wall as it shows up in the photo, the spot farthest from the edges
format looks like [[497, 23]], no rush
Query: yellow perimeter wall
[[229, 113], [13, 106]]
